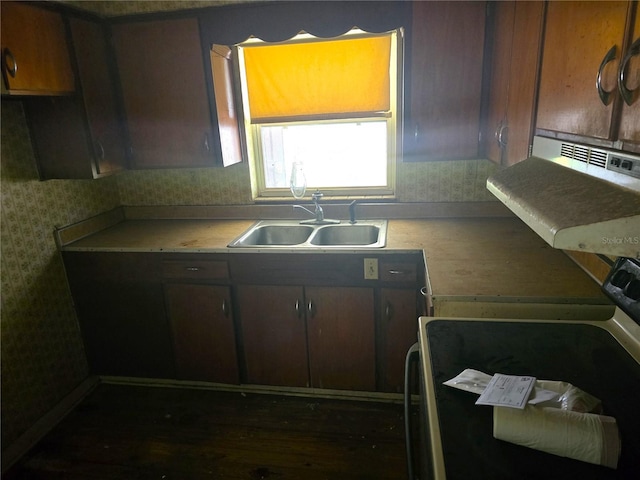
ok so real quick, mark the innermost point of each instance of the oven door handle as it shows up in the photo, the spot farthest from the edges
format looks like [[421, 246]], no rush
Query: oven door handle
[[411, 360]]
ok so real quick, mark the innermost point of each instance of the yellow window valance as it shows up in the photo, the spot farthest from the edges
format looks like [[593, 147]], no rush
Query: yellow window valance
[[319, 78]]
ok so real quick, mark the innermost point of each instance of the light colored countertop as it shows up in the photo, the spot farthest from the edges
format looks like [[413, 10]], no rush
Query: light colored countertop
[[498, 259]]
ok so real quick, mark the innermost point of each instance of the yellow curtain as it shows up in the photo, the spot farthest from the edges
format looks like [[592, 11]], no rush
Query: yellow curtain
[[318, 78]]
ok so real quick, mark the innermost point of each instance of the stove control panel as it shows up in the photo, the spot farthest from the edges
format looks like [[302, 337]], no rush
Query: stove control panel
[[622, 285]]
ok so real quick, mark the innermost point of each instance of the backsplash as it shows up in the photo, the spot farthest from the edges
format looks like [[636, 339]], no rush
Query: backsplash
[[455, 181]]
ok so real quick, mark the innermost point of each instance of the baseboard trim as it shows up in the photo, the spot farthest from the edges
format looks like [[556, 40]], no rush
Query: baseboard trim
[[259, 389], [46, 423]]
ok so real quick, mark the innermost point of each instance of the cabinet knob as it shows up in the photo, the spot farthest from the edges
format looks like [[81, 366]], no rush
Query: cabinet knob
[[387, 311], [626, 93], [605, 97], [311, 308], [10, 64], [100, 149], [225, 308]]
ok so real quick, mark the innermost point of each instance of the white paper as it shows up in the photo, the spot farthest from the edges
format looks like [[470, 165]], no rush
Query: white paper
[[507, 391]]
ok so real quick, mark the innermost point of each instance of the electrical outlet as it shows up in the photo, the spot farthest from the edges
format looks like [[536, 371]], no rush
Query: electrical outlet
[[370, 268]]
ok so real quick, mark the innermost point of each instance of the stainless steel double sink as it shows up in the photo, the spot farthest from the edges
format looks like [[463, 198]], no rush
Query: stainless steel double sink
[[293, 234]]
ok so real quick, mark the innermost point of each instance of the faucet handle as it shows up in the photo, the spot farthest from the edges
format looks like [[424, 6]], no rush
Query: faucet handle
[[317, 196]]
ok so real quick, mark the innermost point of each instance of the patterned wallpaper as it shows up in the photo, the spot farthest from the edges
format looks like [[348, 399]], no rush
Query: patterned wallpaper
[[42, 357], [456, 181]]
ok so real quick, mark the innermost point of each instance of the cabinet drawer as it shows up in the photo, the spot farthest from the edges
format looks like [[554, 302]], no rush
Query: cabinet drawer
[[398, 272], [195, 269]]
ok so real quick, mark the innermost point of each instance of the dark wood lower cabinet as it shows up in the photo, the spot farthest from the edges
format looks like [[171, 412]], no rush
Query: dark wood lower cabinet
[[274, 335], [397, 331], [321, 337], [341, 334], [193, 317], [119, 300], [203, 332]]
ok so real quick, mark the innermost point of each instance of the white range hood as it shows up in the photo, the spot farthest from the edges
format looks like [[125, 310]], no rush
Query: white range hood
[[576, 197]]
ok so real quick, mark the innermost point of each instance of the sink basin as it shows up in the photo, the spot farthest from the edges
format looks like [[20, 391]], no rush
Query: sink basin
[[264, 235], [346, 235], [291, 234]]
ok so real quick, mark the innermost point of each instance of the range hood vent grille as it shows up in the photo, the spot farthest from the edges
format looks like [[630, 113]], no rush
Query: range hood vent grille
[[584, 154]]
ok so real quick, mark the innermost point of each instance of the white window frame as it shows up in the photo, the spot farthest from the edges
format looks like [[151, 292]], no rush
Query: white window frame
[[392, 118]]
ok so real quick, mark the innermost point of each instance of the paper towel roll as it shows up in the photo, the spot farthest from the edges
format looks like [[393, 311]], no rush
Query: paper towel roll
[[582, 436]]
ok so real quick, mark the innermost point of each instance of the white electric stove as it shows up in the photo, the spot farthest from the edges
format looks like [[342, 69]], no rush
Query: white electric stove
[[600, 357]]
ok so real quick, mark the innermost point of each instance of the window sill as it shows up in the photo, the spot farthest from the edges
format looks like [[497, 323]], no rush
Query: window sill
[[325, 199]]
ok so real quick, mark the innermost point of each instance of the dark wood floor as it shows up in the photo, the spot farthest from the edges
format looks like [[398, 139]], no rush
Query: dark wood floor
[[131, 432]]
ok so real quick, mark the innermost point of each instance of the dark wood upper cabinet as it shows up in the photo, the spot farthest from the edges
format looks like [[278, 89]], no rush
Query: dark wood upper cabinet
[[514, 54], [79, 136], [98, 94], [166, 103], [445, 84], [585, 45], [35, 52]]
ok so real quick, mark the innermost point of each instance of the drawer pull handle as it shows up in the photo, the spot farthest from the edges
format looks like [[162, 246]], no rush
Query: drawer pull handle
[[627, 94], [192, 269], [311, 308], [387, 311], [297, 307], [225, 308], [397, 272], [605, 97], [10, 63]]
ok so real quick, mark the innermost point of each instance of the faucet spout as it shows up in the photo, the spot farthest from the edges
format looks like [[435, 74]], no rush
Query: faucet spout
[[318, 214], [303, 208], [352, 212]]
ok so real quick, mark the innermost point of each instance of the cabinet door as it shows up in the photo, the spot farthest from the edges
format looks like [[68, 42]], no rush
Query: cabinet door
[[341, 332], [90, 46], [79, 136], [517, 28], [35, 54], [397, 331], [164, 92], [578, 36], [447, 43], [203, 332], [120, 305], [630, 118], [274, 335], [523, 79], [503, 17]]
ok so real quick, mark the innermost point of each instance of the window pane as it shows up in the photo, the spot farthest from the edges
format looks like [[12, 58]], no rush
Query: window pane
[[339, 154]]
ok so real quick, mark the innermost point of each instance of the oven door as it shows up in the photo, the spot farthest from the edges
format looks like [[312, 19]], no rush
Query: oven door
[[586, 354]]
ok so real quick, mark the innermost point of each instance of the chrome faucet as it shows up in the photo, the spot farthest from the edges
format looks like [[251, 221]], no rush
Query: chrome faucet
[[318, 214], [352, 212]]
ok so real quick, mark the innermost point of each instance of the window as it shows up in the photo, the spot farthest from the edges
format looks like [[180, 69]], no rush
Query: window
[[331, 104]]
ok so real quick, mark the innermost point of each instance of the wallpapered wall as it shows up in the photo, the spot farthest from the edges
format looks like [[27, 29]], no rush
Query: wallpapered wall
[[42, 357]]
